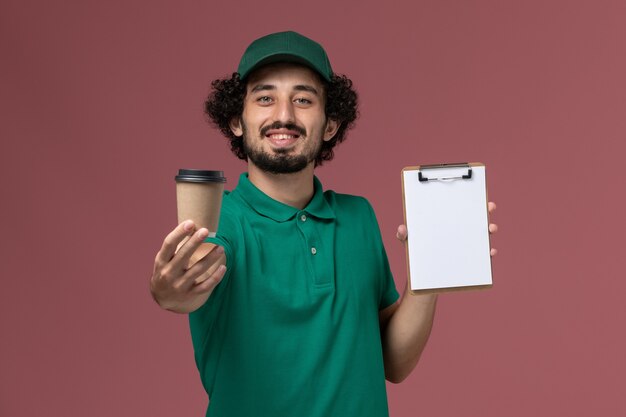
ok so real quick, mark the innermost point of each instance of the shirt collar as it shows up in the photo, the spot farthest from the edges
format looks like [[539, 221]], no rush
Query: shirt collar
[[280, 212]]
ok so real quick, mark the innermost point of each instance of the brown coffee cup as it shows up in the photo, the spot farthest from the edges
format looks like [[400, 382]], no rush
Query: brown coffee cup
[[199, 197]]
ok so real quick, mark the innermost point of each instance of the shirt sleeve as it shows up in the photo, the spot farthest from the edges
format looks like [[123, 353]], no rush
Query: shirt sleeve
[[388, 293]]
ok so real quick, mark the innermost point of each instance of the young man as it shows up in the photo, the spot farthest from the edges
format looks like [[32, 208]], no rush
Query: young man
[[296, 312]]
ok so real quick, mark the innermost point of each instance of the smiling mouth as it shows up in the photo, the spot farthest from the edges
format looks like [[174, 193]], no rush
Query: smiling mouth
[[282, 136], [282, 140]]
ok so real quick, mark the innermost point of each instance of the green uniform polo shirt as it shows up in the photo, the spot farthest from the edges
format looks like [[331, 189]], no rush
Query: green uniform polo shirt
[[292, 329]]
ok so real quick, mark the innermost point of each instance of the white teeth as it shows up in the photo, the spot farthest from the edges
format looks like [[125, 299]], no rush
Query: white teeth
[[282, 136]]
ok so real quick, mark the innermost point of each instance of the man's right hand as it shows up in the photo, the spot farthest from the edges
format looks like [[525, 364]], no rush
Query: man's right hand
[[178, 284]]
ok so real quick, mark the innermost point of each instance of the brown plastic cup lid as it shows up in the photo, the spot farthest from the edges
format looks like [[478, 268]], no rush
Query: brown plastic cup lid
[[197, 175]]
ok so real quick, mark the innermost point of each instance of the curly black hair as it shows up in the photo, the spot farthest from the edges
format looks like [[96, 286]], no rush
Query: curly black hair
[[225, 102]]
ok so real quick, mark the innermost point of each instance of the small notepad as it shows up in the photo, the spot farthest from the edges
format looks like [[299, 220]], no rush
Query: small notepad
[[445, 211]]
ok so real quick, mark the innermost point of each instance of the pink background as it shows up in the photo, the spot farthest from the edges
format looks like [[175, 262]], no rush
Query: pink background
[[101, 103]]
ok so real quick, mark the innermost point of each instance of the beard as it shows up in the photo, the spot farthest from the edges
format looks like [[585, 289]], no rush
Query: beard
[[281, 161]]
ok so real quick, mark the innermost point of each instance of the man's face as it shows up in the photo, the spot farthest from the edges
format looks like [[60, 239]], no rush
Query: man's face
[[283, 122]]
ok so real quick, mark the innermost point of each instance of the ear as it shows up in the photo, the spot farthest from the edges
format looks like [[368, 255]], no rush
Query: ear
[[235, 126], [331, 128]]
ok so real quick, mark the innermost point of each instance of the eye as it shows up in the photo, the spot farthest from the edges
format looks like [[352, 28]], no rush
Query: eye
[[302, 100], [264, 99]]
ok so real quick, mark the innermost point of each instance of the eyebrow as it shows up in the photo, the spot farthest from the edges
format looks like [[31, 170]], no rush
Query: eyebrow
[[262, 87], [299, 87], [307, 88]]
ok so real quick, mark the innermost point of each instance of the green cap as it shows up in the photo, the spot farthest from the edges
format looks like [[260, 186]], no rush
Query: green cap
[[285, 47]]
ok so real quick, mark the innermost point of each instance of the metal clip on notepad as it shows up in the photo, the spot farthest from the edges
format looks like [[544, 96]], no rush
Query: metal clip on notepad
[[467, 176]]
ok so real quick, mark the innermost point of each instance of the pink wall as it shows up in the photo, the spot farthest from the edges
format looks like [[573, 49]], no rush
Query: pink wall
[[101, 103]]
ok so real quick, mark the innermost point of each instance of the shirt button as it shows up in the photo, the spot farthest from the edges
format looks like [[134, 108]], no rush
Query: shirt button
[[313, 251], [303, 217]]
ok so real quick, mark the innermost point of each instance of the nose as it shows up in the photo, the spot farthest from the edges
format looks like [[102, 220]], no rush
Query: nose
[[284, 111]]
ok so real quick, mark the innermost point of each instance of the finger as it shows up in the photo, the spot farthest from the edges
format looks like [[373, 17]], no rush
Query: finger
[[171, 241], [493, 228], [181, 258], [213, 260], [210, 283], [493, 252], [402, 233], [491, 206], [203, 268]]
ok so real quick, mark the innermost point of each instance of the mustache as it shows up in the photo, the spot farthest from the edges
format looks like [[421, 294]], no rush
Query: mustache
[[289, 126]]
